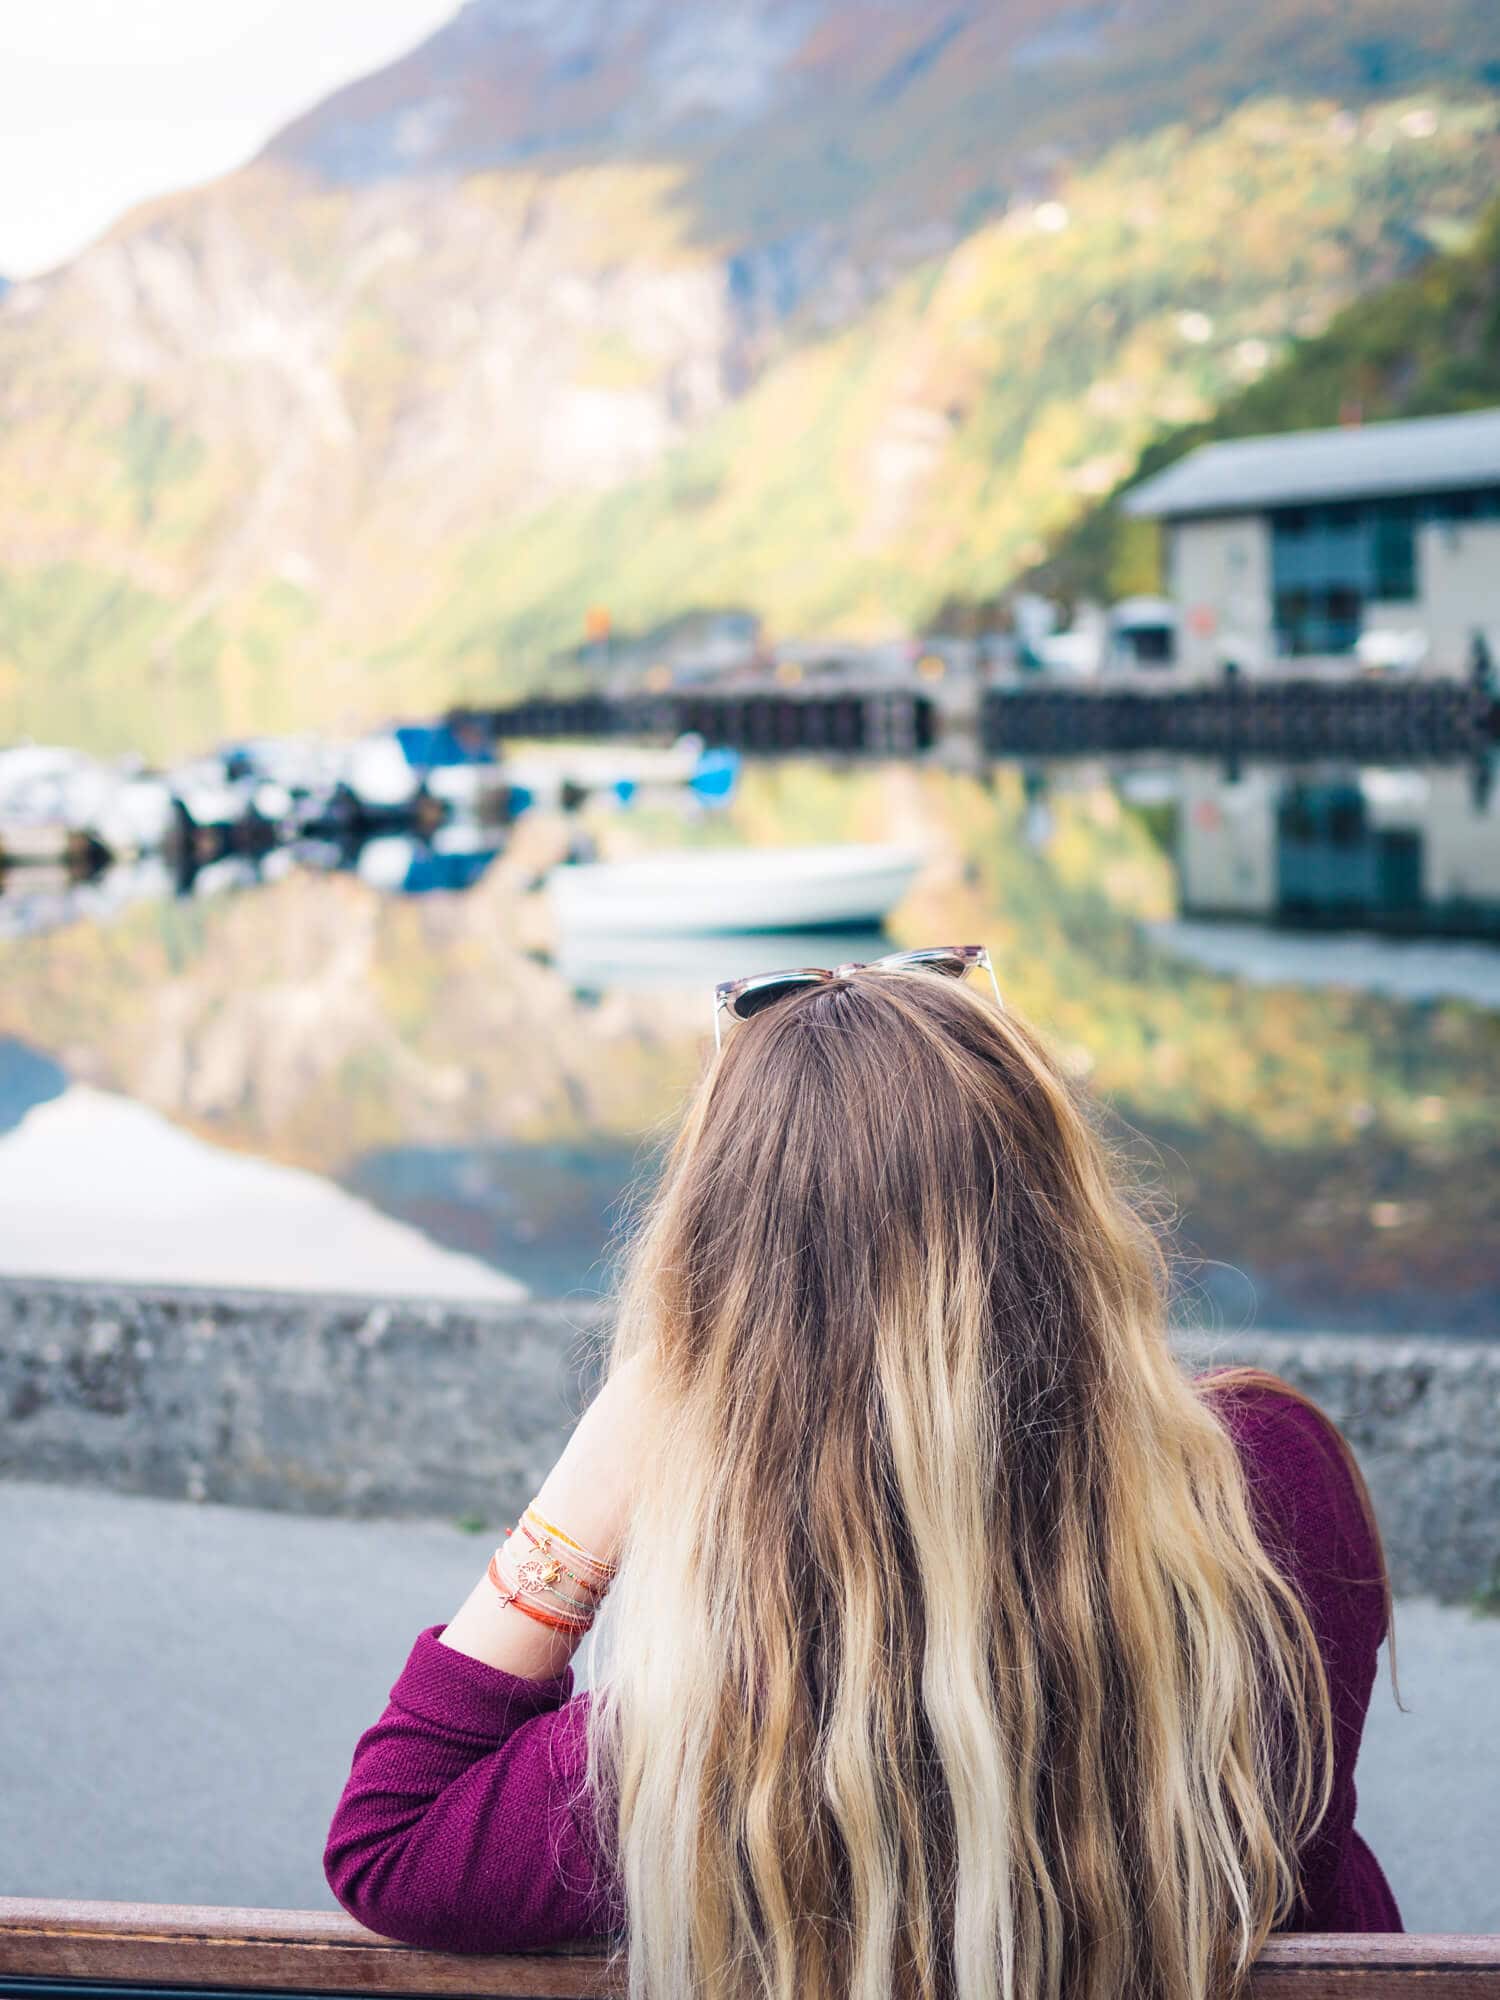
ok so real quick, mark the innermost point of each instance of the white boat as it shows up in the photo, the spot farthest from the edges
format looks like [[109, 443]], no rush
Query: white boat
[[732, 889], [48, 793], [213, 803], [390, 772], [546, 768], [380, 775]]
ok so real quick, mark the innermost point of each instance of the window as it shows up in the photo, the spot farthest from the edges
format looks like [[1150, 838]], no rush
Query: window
[[1333, 865], [1394, 552], [1477, 503], [1153, 645], [1314, 621], [1327, 563]]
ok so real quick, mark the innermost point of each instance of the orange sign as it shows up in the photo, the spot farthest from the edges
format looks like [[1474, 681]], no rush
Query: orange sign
[[596, 622]]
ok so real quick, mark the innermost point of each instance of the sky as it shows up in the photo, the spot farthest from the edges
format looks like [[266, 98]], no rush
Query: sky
[[106, 102]]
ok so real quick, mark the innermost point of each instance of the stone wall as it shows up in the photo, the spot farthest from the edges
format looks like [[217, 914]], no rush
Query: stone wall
[[310, 1402], [356, 1406]]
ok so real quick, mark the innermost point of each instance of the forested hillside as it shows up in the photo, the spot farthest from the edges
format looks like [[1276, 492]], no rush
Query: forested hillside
[[1422, 347]]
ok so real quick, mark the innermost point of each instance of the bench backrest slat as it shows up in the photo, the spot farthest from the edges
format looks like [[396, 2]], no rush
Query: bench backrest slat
[[326, 1951]]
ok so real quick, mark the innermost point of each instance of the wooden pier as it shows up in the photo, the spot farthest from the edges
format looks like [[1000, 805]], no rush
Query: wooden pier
[[1410, 722], [868, 723], [1414, 721]]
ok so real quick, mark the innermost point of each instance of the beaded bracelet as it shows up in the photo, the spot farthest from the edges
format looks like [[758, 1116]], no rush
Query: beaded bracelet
[[606, 1569], [542, 1570], [536, 1580], [510, 1593], [540, 1573], [529, 1581], [544, 1545]]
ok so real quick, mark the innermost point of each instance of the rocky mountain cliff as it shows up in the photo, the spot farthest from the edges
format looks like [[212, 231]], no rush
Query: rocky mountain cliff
[[861, 117], [831, 306]]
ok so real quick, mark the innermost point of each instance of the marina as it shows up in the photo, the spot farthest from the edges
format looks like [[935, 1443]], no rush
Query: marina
[[1235, 842], [1279, 977]]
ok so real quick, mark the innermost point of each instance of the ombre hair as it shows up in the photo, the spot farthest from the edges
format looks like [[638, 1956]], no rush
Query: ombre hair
[[945, 1658]]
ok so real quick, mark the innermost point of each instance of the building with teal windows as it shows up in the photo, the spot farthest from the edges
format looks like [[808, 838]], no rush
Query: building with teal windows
[[1371, 545]]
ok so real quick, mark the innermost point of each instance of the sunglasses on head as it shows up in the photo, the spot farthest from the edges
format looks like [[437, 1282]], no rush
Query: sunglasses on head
[[740, 998]]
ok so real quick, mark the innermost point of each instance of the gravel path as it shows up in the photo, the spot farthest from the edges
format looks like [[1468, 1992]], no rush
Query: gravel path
[[183, 1687]]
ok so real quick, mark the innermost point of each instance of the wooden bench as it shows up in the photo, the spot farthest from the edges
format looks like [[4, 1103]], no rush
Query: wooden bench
[[110, 1951]]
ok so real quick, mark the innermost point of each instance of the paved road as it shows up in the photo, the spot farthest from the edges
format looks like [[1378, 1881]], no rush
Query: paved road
[[181, 1688]]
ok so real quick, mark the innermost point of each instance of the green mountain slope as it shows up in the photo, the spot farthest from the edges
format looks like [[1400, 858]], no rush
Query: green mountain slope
[[1424, 346], [368, 425], [927, 451]]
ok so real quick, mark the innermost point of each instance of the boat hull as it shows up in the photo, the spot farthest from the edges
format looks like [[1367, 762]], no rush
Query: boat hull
[[735, 890]]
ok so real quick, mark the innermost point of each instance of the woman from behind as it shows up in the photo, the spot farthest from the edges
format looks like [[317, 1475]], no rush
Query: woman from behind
[[963, 1646]]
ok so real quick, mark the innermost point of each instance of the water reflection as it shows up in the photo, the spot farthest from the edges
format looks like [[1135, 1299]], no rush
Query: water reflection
[[1407, 852], [41, 899], [453, 859], [599, 965], [1331, 1151], [551, 1215]]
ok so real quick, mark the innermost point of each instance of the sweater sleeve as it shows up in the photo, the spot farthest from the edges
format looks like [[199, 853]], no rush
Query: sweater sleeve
[[464, 1824], [1310, 1518]]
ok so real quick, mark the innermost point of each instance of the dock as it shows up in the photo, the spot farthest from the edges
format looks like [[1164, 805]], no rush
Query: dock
[[1403, 721]]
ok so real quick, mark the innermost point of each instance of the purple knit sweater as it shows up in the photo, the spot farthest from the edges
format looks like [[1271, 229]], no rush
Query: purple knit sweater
[[462, 1826]]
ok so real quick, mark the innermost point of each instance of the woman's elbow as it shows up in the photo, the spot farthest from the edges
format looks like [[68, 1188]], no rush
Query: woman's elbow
[[377, 1886], [347, 1875], [365, 1882]]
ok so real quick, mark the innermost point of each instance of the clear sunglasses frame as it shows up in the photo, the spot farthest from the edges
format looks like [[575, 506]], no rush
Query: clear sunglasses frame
[[952, 961]]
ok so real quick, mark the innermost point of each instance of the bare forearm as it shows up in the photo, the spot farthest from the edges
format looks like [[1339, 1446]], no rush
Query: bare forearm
[[489, 1629], [587, 1493]]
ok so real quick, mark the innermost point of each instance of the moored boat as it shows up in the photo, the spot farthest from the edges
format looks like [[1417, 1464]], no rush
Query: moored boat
[[713, 889], [58, 804], [559, 775]]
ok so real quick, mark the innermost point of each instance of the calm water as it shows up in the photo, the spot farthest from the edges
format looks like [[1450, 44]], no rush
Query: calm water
[[1321, 1106]]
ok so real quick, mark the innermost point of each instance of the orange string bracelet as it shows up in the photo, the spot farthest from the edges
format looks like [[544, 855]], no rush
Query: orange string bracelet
[[529, 1581], [510, 1593], [605, 1568], [538, 1577], [541, 1571], [544, 1544]]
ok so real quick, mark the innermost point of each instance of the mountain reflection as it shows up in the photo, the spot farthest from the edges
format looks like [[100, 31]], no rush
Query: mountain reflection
[[1330, 1152]]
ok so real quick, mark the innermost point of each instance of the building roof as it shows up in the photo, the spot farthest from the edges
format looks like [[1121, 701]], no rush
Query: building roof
[[1355, 462]]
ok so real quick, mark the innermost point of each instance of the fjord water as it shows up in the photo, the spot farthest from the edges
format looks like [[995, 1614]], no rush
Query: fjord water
[[1321, 1112]]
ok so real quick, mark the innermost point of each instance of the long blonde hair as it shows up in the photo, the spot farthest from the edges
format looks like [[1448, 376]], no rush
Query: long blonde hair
[[946, 1660]]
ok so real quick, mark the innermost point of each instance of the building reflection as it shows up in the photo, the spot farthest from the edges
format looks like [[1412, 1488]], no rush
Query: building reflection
[[1414, 852]]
